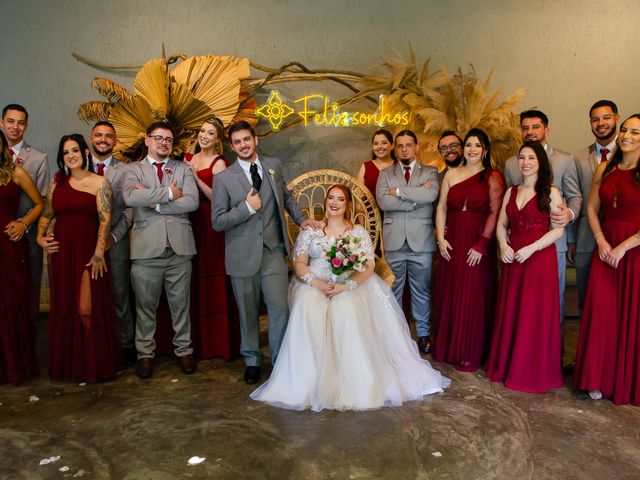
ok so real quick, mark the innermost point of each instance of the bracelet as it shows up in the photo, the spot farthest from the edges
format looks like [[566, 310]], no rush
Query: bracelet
[[26, 227], [308, 278], [598, 234], [351, 284]]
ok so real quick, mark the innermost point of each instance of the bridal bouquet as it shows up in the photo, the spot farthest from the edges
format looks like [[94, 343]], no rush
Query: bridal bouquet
[[345, 253]]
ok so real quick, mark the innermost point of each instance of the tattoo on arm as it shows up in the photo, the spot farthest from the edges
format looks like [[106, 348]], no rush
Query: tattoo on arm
[[47, 213], [104, 215], [106, 196]]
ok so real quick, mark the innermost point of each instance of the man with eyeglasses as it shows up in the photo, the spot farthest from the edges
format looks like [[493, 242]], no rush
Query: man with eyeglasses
[[534, 126], [450, 149], [162, 191]]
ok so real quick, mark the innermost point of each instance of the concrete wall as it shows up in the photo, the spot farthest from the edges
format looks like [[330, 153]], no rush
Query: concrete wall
[[567, 54]]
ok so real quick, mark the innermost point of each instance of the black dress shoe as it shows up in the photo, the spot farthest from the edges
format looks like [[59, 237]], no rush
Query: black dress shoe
[[129, 355], [144, 367], [251, 375], [569, 367], [188, 364], [424, 344]]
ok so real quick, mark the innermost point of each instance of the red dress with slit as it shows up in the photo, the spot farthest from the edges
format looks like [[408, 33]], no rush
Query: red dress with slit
[[608, 355], [82, 348], [464, 303], [17, 335], [525, 344], [215, 328]]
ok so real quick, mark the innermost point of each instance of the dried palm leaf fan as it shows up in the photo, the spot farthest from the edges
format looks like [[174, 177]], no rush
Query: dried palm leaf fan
[[198, 88]]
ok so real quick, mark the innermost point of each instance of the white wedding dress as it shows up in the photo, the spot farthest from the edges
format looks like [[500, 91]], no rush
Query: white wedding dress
[[352, 352]]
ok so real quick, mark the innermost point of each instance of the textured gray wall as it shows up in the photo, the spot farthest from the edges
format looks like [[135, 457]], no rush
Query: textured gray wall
[[566, 54]]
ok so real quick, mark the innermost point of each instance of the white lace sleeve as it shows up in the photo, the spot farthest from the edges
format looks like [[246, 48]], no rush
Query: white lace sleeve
[[303, 242], [367, 246]]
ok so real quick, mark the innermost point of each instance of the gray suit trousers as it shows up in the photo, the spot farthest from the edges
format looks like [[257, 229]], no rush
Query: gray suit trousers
[[148, 276], [120, 271], [273, 280]]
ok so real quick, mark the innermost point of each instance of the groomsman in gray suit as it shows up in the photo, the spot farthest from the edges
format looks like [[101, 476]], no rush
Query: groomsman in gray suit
[[534, 126], [604, 119], [406, 193], [162, 192], [248, 203], [15, 121], [103, 139]]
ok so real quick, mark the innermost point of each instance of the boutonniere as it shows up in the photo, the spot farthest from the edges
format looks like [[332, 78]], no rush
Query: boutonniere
[[168, 171], [272, 173], [19, 160]]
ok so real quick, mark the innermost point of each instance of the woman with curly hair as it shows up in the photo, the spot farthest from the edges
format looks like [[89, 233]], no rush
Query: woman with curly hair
[[17, 347], [525, 346]]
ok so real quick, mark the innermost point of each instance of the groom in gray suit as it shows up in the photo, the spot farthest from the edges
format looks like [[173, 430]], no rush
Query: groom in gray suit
[[248, 203], [162, 192], [406, 193]]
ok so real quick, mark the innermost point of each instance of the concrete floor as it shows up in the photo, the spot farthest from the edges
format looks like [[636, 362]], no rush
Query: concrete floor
[[132, 429]]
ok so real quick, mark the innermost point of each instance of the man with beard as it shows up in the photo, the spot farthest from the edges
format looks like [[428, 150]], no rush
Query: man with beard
[[406, 194], [534, 126], [103, 139], [450, 149], [604, 119], [162, 191], [15, 121]]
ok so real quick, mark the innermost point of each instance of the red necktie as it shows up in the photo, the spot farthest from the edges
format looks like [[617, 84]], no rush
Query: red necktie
[[159, 166], [604, 153], [407, 174], [100, 168]]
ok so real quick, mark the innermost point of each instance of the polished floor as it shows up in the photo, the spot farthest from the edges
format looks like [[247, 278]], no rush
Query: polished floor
[[149, 430]]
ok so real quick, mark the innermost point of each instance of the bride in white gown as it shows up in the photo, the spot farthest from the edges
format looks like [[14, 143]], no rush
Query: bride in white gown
[[347, 346]]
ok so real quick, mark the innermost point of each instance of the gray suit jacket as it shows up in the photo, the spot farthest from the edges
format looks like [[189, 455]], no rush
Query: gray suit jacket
[[408, 218], [586, 164], [230, 214], [36, 165], [153, 229], [565, 178], [121, 215]]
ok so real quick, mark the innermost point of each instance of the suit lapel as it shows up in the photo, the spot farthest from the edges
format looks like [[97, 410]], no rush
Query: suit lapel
[[593, 161], [241, 177], [270, 181], [149, 173], [415, 175], [113, 171], [399, 172]]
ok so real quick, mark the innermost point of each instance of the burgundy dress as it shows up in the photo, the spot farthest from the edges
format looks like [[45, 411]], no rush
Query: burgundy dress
[[215, 328], [371, 174], [525, 345], [17, 335], [608, 356], [465, 296], [81, 348]]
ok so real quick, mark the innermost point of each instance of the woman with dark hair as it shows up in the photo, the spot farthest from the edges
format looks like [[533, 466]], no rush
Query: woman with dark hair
[[466, 216], [17, 352], [347, 346], [525, 345], [84, 341], [608, 356], [215, 330], [382, 157]]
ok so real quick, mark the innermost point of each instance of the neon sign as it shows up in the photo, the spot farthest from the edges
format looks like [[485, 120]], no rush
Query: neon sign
[[319, 110]]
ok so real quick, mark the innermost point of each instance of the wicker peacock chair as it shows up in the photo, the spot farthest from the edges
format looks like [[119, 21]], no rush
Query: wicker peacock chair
[[311, 188]]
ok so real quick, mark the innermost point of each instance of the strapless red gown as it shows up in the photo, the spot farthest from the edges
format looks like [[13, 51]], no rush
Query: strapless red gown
[[525, 344], [17, 335], [87, 348], [608, 356], [464, 301]]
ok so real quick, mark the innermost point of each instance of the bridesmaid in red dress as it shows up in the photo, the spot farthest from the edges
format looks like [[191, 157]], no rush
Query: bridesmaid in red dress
[[17, 336], [382, 156], [608, 356], [468, 208], [214, 320], [84, 341], [525, 345]]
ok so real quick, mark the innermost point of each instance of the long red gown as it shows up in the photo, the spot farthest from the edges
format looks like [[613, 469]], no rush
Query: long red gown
[[215, 328], [17, 336], [465, 296], [608, 356], [81, 348], [525, 344]]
